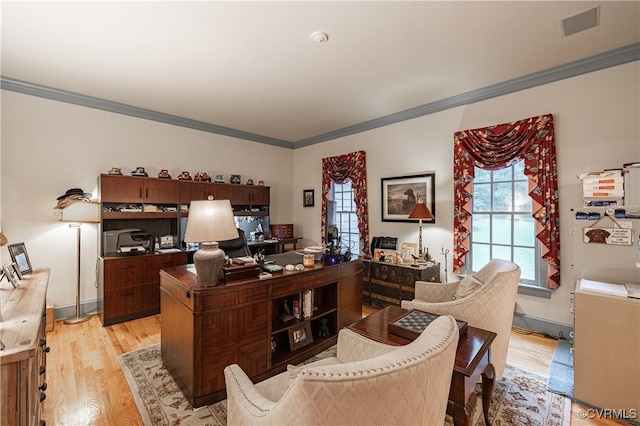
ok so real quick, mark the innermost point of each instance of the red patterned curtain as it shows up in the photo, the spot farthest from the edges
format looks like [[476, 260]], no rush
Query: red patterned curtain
[[339, 169], [500, 146]]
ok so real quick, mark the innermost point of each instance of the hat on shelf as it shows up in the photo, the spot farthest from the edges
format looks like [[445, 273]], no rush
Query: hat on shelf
[[72, 195], [115, 171]]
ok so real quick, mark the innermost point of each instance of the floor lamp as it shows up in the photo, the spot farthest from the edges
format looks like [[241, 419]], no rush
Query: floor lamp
[[77, 213]]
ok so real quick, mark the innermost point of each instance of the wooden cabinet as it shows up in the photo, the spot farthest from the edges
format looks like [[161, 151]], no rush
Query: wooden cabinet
[[23, 361], [133, 189], [128, 286], [388, 284], [250, 195], [204, 329], [606, 351]]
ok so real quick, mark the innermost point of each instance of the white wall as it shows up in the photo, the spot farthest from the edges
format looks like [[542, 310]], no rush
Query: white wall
[[49, 147], [597, 126]]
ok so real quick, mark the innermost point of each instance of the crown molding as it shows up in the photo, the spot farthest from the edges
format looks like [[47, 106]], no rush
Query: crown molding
[[604, 60]]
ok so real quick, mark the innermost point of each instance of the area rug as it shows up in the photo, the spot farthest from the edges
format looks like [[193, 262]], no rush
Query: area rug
[[520, 398], [561, 370]]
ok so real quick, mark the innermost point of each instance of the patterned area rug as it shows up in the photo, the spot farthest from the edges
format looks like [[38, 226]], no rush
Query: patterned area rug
[[520, 398]]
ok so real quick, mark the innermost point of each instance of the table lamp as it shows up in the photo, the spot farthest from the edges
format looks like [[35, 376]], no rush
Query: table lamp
[[209, 221], [420, 211], [78, 212]]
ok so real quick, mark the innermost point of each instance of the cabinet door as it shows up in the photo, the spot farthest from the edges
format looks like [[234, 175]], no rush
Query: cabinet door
[[125, 272], [250, 195], [164, 191], [121, 189], [164, 261], [259, 195]]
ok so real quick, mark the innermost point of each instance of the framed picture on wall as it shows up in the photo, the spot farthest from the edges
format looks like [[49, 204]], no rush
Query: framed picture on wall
[[400, 194], [308, 198], [19, 255]]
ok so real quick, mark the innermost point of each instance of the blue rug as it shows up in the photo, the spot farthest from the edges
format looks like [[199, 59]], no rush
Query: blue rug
[[561, 370]]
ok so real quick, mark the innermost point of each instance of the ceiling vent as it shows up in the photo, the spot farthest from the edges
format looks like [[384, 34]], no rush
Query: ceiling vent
[[581, 22]]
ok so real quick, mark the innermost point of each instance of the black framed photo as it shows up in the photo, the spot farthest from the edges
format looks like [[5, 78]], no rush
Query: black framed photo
[[19, 256], [400, 194], [308, 197], [300, 336]]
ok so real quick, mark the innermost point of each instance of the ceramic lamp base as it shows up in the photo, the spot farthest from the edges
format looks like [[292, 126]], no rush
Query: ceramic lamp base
[[208, 262]]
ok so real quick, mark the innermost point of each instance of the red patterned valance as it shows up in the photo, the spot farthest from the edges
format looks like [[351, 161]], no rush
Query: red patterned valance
[[338, 169], [496, 147]]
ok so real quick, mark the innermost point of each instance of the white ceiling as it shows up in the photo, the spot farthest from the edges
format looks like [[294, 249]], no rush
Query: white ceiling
[[252, 66]]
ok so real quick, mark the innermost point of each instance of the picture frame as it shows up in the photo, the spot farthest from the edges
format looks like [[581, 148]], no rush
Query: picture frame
[[308, 198], [300, 336], [17, 271], [19, 256], [8, 271], [399, 195]]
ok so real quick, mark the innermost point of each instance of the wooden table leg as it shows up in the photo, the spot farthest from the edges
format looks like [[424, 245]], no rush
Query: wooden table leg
[[463, 413], [488, 381]]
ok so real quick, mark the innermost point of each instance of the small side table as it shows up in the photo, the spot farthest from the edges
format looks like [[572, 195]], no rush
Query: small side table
[[473, 360]]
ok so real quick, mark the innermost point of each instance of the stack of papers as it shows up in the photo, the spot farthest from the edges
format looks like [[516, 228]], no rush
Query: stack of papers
[[603, 288]]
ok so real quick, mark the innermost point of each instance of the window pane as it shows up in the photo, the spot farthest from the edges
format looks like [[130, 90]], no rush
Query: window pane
[[480, 256], [501, 229], [502, 175], [481, 175], [502, 197], [482, 197], [526, 259], [518, 170], [522, 200], [523, 230], [501, 252], [480, 228]]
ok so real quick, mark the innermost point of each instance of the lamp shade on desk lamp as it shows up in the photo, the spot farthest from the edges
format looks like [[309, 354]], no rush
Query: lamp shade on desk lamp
[[210, 221], [421, 212]]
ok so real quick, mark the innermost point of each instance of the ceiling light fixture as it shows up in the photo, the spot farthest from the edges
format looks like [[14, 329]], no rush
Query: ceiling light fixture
[[319, 37]]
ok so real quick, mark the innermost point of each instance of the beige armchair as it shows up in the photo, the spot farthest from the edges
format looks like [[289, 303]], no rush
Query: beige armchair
[[365, 383], [485, 300]]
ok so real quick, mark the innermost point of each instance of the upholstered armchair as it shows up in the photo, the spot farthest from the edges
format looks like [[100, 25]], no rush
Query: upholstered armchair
[[365, 383], [485, 300]]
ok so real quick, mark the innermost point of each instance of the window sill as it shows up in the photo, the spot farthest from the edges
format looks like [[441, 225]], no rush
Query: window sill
[[530, 290]]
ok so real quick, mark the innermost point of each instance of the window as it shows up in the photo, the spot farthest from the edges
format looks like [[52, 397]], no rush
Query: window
[[502, 225], [343, 216]]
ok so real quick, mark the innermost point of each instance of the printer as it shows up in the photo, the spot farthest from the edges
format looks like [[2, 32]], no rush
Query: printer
[[127, 241]]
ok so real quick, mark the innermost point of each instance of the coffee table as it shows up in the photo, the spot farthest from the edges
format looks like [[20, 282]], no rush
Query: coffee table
[[473, 359]]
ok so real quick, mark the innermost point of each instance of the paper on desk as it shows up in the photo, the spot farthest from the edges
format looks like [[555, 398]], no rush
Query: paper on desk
[[603, 288]]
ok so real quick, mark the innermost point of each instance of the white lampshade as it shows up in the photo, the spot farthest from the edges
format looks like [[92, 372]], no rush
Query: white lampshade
[[210, 220], [81, 211]]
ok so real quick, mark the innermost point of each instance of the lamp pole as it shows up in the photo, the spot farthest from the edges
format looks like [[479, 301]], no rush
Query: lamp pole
[[77, 319]]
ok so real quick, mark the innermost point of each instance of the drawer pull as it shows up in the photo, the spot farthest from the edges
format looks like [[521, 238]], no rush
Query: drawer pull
[[47, 349], [43, 369], [43, 396], [126, 267], [128, 294], [43, 387]]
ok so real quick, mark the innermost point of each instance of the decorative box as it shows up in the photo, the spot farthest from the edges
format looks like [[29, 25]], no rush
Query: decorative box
[[236, 272], [282, 231]]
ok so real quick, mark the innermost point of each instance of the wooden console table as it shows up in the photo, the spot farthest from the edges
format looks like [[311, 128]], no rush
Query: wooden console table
[[204, 329], [473, 359], [23, 361]]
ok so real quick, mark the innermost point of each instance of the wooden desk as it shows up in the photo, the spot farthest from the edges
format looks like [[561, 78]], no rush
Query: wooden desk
[[204, 329], [272, 246], [473, 359]]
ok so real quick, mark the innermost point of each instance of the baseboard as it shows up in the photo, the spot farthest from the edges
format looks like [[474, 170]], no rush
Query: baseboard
[[553, 329], [86, 308]]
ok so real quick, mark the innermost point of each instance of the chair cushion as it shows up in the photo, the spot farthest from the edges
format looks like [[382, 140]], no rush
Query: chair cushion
[[468, 285]]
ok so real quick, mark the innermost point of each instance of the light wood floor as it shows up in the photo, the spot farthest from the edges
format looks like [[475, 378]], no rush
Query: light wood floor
[[87, 387]]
